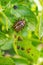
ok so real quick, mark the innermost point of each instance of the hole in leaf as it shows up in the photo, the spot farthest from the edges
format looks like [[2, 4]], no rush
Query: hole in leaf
[[18, 47], [28, 50], [19, 38], [22, 48]]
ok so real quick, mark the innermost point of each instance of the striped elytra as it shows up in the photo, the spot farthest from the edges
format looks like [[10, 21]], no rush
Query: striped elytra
[[19, 25]]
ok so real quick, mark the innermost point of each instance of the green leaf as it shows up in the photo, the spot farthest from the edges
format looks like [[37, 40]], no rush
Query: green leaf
[[4, 3], [41, 2], [27, 50], [5, 21], [6, 61], [26, 14], [35, 40], [41, 26], [5, 42], [2, 40], [41, 52], [20, 61]]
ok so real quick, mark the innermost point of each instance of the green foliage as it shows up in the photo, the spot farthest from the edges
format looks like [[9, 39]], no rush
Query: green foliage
[[27, 50], [22, 44], [6, 61]]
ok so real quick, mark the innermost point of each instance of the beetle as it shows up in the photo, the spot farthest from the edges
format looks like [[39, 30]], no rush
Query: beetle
[[19, 25], [15, 7]]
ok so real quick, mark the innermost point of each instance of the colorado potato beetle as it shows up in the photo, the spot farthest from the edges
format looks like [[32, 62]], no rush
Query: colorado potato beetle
[[15, 7], [19, 25]]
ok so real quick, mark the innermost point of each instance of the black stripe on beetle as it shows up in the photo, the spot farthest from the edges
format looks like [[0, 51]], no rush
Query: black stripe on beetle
[[19, 25]]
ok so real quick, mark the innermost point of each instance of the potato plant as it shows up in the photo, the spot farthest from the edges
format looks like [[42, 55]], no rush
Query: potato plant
[[21, 32]]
